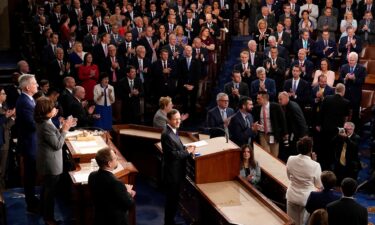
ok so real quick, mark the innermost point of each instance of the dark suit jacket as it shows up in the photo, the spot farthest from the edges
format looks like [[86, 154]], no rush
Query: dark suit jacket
[[371, 32], [353, 91], [298, 44], [333, 111], [214, 120], [270, 86], [55, 74], [351, 155], [89, 43], [239, 132], [309, 68], [77, 111], [146, 64], [277, 118], [277, 74], [247, 79], [190, 75], [164, 84], [295, 120], [66, 97], [111, 199], [282, 52], [131, 105], [234, 99], [103, 30], [303, 92], [143, 41], [120, 72], [99, 56], [346, 211], [320, 199], [178, 49], [25, 124], [319, 47], [344, 50], [286, 39], [48, 54], [174, 157]]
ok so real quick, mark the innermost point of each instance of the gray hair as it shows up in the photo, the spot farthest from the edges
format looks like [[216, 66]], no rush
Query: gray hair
[[24, 80], [353, 54], [260, 70], [271, 38], [76, 89], [340, 89], [351, 124], [220, 95]]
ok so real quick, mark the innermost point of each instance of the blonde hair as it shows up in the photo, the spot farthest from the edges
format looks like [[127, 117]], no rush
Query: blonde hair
[[164, 101]]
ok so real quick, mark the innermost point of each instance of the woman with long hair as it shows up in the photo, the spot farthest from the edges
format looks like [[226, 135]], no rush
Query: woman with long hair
[[249, 166], [76, 58], [324, 70], [88, 73]]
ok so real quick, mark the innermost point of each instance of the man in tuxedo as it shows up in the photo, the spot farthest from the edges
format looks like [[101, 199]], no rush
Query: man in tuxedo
[[326, 47], [275, 68], [66, 96], [27, 139], [91, 39], [307, 67], [174, 50], [353, 76], [271, 123], [262, 84], [164, 73], [295, 121], [174, 159], [236, 89], [255, 58], [327, 22], [114, 65], [49, 51], [241, 126], [346, 143], [346, 210], [131, 92], [58, 69], [283, 38], [80, 109], [218, 118], [305, 42], [334, 112], [100, 51], [111, 198], [366, 29], [189, 72], [349, 43], [245, 68]]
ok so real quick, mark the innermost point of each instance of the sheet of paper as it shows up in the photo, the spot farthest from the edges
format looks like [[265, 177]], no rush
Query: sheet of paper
[[81, 177], [73, 133], [197, 144], [84, 144]]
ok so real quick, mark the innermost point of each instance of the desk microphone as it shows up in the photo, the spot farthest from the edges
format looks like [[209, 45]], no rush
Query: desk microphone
[[221, 129]]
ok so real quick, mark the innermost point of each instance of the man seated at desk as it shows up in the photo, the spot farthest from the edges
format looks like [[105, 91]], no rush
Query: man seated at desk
[[112, 199]]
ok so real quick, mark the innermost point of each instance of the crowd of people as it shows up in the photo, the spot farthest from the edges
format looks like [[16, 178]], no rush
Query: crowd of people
[[105, 62]]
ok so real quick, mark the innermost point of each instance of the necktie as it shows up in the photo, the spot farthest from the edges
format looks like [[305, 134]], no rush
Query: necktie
[[62, 68], [304, 44], [140, 66], [88, 28], [127, 45], [292, 7], [93, 39], [294, 86], [368, 8], [198, 51], [173, 49], [107, 28], [105, 50], [252, 58], [54, 49], [351, 69], [223, 114], [114, 75], [99, 22], [300, 64], [247, 121], [342, 155], [165, 65], [139, 30], [188, 63], [131, 85], [243, 66], [325, 43], [265, 128], [170, 27], [115, 37], [152, 14], [273, 62]]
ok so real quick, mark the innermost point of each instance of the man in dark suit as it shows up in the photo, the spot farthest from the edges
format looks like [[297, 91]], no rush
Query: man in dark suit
[[55, 17], [200, 54], [318, 94], [353, 76], [153, 14], [305, 42], [255, 58], [27, 140], [218, 118], [189, 72], [349, 43], [347, 210], [334, 111], [174, 50], [307, 67], [138, 31], [265, 14], [326, 48], [105, 28], [149, 42], [115, 65], [49, 51], [143, 66], [320, 199], [90, 39], [282, 38], [190, 25], [236, 89], [298, 89], [58, 69], [213, 27], [262, 84], [100, 51], [85, 117], [66, 96], [295, 121], [364, 7], [245, 68], [271, 123], [241, 126], [164, 73], [327, 22], [347, 162], [112, 199], [282, 51], [116, 38], [174, 159], [366, 28], [127, 48], [275, 68], [131, 92]]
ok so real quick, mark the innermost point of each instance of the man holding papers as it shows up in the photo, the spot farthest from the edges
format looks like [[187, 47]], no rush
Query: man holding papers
[[174, 164]]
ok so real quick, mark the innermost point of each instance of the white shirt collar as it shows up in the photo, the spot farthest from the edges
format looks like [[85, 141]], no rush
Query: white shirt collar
[[173, 129]]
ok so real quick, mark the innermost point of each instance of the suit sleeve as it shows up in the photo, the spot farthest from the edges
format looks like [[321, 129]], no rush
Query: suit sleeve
[[54, 139], [169, 148], [123, 196]]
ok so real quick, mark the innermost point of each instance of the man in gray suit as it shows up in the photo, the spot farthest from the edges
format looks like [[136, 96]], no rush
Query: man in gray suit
[[366, 28], [327, 22]]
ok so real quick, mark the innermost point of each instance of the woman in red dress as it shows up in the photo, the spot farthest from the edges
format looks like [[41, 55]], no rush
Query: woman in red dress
[[65, 30], [209, 43], [88, 73]]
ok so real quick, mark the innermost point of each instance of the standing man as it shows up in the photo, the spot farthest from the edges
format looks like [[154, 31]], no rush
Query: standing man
[[112, 199], [175, 155], [26, 145], [218, 117], [272, 124], [236, 89]]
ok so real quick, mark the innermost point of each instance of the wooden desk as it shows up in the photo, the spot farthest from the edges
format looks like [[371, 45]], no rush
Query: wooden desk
[[237, 202], [137, 144], [126, 172], [273, 174]]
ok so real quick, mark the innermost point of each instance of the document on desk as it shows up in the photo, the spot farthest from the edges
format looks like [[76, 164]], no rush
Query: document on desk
[[89, 147], [197, 144], [81, 177]]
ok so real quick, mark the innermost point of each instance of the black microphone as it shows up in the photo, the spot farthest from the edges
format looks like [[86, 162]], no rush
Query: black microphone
[[221, 129]]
